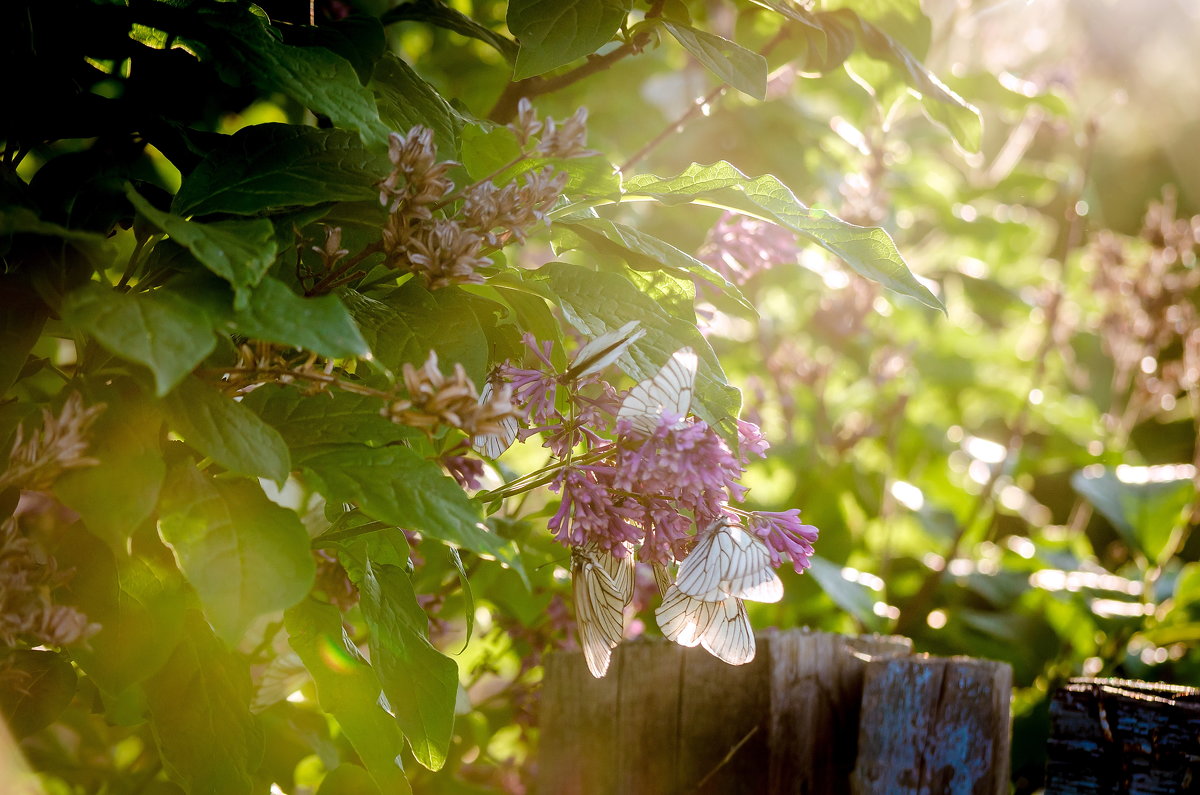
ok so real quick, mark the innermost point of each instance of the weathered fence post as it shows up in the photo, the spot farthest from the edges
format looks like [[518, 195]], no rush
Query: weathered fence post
[[673, 720], [1117, 736], [934, 725]]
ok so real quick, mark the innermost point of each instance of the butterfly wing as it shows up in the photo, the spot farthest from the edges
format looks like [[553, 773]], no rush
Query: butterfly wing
[[492, 445], [669, 391], [603, 351], [599, 607], [283, 676], [728, 635], [748, 573], [682, 619], [662, 577], [701, 572]]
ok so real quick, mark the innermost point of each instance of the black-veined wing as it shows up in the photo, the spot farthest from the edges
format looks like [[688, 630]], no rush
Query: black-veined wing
[[602, 351], [662, 577], [728, 561], [722, 628], [599, 604], [281, 677], [492, 445], [669, 391]]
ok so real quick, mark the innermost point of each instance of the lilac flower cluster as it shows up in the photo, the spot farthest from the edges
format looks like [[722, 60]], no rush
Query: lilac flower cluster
[[739, 247], [622, 490]]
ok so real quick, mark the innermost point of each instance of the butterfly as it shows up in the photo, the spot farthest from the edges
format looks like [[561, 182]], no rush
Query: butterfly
[[603, 585], [727, 561], [493, 444], [667, 392], [283, 676], [602, 351], [722, 628]]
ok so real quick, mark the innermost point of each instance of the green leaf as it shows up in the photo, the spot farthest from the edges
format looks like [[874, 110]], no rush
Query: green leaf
[[159, 330], [333, 417], [348, 689], [868, 250], [406, 100], [407, 323], [116, 496], [269, 166], [649, 252], [744, 70], [421, 683], [244, 554], [397, 486], [39, 686], [943, 105], [22, 317], [227, 432], [349, 779], [199, 712], [1149, 516], [138, 606], [322, 325], [245, 47], [853, 597], [437, 13], [596, 303], [552, 33], [240, 252]]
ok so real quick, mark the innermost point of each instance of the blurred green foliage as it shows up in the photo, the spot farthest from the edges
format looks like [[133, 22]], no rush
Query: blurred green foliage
[[1012, 479]]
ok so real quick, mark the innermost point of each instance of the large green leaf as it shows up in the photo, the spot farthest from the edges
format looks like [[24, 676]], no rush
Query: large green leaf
[[138, 606], [247, 49], [240, 252], [227, 432], [1148, 515], [199, 712], [332, 417], [421, 683], [116, 496], [435, 12], [22, 317], [349, 779], [322, 324], [244, 554], [744, 70], [409, 322], [646, 251], [406, 100], [268, 166], [348, 689], [552, 33], [397, 486], [868, 250], [159, 330], [596, 303], [42, 685]]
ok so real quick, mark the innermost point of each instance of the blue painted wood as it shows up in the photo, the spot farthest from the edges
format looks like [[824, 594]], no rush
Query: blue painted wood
[[1111, 736], [934, 726]]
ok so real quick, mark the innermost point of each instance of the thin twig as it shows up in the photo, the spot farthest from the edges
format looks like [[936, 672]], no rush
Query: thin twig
[[327, 281], [728, 756]]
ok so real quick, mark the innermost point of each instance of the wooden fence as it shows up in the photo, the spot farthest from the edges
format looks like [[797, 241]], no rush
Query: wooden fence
[[813, 713]]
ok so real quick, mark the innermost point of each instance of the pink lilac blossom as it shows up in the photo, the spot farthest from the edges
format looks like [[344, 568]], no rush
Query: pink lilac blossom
[[783, 532], [739, 247], [589, 513], [467, 471]]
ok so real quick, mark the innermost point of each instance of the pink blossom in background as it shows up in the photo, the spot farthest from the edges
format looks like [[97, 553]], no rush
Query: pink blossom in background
[[739, 247]]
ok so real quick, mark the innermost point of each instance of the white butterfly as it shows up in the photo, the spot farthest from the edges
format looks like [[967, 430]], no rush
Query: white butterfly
[[727, 561], [493, 444], [602, 351], [603, 585], [669, 391], [662, 577], [722, 627], [283, 676]]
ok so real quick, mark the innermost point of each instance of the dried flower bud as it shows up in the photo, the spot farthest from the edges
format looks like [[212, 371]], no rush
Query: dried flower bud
[[38, 459], [526, 125], [443, 253], [567, 138], [331, 250], [434, 399]]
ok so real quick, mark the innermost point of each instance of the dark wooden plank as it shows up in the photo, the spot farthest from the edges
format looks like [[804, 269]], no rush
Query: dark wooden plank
[[816, 681], [1119, 736], [723, 713], [578, 733], [647, 716], [934, 725]]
